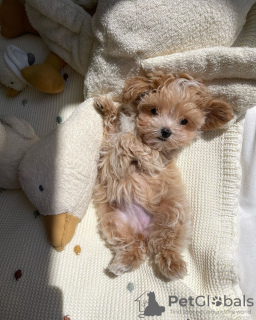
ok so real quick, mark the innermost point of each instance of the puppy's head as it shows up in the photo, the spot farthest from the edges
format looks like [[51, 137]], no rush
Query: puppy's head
[[171, 110]]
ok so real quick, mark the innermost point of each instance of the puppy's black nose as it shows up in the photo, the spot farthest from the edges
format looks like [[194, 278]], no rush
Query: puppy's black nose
[[166, 133]]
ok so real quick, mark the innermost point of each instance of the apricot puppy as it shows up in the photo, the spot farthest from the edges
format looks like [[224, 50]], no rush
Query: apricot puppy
[[139, 196]]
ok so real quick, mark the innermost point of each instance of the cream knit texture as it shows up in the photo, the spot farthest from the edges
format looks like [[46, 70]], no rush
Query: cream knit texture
[[120, 50], [57, 284]]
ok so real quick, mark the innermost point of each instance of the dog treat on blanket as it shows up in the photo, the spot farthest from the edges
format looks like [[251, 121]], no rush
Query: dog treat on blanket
[[77, 249], [18, 275], [140, 199]]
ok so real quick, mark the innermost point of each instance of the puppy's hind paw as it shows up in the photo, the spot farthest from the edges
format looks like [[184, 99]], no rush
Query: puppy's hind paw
[[171, 265], [125, 261], [118, 269]]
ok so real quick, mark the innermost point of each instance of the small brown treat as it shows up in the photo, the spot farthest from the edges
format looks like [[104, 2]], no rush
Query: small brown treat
[[18, 274], [77, 250]]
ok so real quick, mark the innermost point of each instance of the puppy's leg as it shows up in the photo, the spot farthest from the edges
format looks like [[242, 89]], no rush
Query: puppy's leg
[[127, 243], [169, 236], [109, 110], [129, 257], [146, 158]]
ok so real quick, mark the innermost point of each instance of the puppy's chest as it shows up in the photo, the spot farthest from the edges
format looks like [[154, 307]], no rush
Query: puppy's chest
[[116, 141], [126, 123]]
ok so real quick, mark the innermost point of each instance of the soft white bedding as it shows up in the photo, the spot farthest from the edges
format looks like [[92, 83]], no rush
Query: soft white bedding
[[246, 251]]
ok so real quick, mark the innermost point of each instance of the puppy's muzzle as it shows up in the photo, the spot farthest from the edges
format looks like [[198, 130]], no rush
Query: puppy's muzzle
[[165, 134]]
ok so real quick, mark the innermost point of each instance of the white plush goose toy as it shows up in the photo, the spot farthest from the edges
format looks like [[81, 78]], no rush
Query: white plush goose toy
[[12, 61], [16, 137]]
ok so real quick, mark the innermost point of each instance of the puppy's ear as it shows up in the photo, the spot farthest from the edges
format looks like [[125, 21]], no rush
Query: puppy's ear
[[218, 113], [135, 88]]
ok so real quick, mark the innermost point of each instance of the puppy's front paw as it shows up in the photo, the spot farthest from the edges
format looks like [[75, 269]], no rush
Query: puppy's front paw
[[171, 265], [105, 105], [99, 104]]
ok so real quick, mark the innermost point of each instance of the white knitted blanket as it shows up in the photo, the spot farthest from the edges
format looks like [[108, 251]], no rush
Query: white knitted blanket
[[58, 284]]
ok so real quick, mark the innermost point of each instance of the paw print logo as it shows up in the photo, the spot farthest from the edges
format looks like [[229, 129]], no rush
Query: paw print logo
[[216, 301]]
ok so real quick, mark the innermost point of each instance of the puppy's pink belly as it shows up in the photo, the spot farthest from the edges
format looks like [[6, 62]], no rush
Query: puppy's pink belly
[[135, 215]]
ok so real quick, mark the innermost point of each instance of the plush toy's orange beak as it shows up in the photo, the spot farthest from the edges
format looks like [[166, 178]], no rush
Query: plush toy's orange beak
[[10, 92]]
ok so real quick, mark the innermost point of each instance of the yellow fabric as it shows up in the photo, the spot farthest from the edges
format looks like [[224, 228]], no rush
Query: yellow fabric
[[60, 229], [46, 76]]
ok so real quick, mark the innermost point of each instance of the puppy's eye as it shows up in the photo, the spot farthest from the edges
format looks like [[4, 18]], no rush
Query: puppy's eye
[[184, 122], [12, 82], [154, 111]]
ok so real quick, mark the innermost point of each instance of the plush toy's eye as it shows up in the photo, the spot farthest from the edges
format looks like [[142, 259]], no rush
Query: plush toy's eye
[[12, 82], [183, 122], [154, 111]]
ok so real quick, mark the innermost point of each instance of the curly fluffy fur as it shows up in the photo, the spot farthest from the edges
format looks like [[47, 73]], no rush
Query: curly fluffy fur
[[140, 199]]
